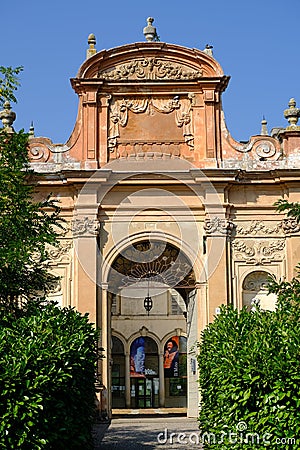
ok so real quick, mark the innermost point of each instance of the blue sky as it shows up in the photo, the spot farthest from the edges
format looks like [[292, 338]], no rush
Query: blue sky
[[257, 44]]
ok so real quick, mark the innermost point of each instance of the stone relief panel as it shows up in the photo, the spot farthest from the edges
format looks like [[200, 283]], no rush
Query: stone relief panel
[[150, 69], [217, 226], [261, 228], [122, 115], [85, 226], [259, 251], [60, 255]]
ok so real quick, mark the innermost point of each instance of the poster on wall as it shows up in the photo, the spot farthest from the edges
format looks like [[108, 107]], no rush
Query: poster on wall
[[137, 358], [171, 357]]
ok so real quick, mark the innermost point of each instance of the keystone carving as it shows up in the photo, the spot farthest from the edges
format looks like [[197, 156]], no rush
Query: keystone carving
[[150, 69]]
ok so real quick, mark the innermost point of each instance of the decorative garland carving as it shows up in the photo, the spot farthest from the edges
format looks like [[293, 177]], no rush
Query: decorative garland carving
[[258, 227], [258, 252], [218, 226], [150, 69], [118, 115], [85, 227]]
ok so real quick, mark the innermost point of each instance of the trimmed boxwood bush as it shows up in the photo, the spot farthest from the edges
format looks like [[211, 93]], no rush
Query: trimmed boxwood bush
[[249, 366], [47, 374]]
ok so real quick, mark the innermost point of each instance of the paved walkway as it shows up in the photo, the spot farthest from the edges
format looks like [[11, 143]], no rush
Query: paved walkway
[[143, 433]]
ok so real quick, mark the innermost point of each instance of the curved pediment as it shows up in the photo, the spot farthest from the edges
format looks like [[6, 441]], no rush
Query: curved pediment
[[150, 61]]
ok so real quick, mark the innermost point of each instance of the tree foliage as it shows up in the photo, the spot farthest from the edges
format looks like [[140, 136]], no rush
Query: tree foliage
[[9, 82], [47, 372], [27, 227], [249, 366]]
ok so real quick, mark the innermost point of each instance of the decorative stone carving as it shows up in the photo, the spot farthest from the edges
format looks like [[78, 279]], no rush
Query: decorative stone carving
[[290, 226], [264, 149], [60, 254], [259, 251], [39, 153], [218, 226], [85, 227], [258, 227], [118, 115], [150, 69], [256, 281]]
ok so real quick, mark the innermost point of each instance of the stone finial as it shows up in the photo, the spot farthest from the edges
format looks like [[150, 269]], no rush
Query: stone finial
[[92, 42], [292, 115], [31, 130], [264, 129], [150, 31], [208, 50], [8, 117]]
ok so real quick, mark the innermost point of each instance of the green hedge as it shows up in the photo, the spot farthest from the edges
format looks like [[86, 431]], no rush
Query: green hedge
[[249, 365], [47, 370]]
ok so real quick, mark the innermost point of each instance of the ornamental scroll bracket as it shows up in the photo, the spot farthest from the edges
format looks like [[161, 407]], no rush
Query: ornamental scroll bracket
[[118, 115]]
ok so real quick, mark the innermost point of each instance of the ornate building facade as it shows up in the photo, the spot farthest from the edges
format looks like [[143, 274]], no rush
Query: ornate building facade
[[168, 216]]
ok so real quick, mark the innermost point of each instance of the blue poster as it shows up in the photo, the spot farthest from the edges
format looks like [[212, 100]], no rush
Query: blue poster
[[137, 358]]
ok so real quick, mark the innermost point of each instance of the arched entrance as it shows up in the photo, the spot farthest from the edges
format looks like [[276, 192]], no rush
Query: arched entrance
[[156, 375]]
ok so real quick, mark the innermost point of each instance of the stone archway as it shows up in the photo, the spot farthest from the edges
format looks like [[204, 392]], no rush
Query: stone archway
[[160, 270]]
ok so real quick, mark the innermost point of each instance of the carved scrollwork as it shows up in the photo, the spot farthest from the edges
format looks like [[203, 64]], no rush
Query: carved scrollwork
[[218, 226], [118, 115], [39, 153], [150, 69], [264, 149], [256, 281], [259, 251], [85, 227], [60, 254]]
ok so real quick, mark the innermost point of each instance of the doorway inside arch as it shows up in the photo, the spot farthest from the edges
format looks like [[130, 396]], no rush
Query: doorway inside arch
[[144, 373], [156, 374]]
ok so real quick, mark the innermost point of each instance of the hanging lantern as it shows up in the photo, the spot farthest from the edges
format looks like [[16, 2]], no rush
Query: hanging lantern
[[148, 304]]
